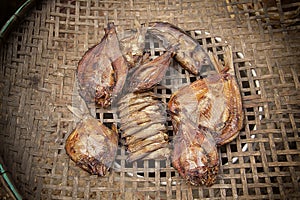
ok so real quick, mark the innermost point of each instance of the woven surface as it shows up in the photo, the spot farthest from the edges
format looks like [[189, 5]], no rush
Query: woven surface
[[37, 74]]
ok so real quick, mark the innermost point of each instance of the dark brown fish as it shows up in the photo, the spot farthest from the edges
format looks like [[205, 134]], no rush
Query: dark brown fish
[[213, 102], [195, 154], [102, 71], [188, 52], [205, 114], [92, 146], [144, 77]]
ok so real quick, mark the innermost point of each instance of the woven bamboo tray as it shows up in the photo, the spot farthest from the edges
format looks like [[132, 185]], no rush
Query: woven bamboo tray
[[37, 77]]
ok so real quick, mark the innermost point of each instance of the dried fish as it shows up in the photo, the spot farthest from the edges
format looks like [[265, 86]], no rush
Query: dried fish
[[152, 129], [188, 52], [140, 144], [132, 44], [135, 108], [195, 154], [205, 114], [92, 146], [143, 125], [102, 71], [143, 130], [213, 102], [147, 75], [141, 153], [161, 153], [133, 99], [148, 111]]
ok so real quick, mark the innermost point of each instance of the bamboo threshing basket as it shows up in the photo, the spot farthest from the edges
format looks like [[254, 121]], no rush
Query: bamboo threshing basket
[[38, 59]]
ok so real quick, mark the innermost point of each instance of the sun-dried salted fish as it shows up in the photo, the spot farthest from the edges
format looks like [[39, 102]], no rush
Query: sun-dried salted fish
[[159, 154], [143, 130], [195, 154], [152, 128], [143, 125], [92, 145], [149, 74], [205, 114], [102, 71], [188, 52], [213, 102]]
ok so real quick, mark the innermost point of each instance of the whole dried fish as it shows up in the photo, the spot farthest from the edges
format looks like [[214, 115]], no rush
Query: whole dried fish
[[147, 75], [92, 146], [215, 102], [143, 117], [188, 52], [204, 114], [102, 71], [195, 154]]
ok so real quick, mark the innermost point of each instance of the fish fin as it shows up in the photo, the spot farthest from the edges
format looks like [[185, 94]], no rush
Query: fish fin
[[77, 112], [79, 107], [114, 128], [215, 61], [228, 61]]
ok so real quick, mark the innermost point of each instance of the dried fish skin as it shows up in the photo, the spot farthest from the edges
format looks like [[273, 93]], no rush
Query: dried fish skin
[[92, 146], [188, 52], [195, 154], [102, 70]]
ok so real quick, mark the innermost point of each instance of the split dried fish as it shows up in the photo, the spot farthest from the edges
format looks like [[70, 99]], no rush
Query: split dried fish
[[215, 102], [205, 114], [92, 145], [102, 71], [188, 52], [195, 154]]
